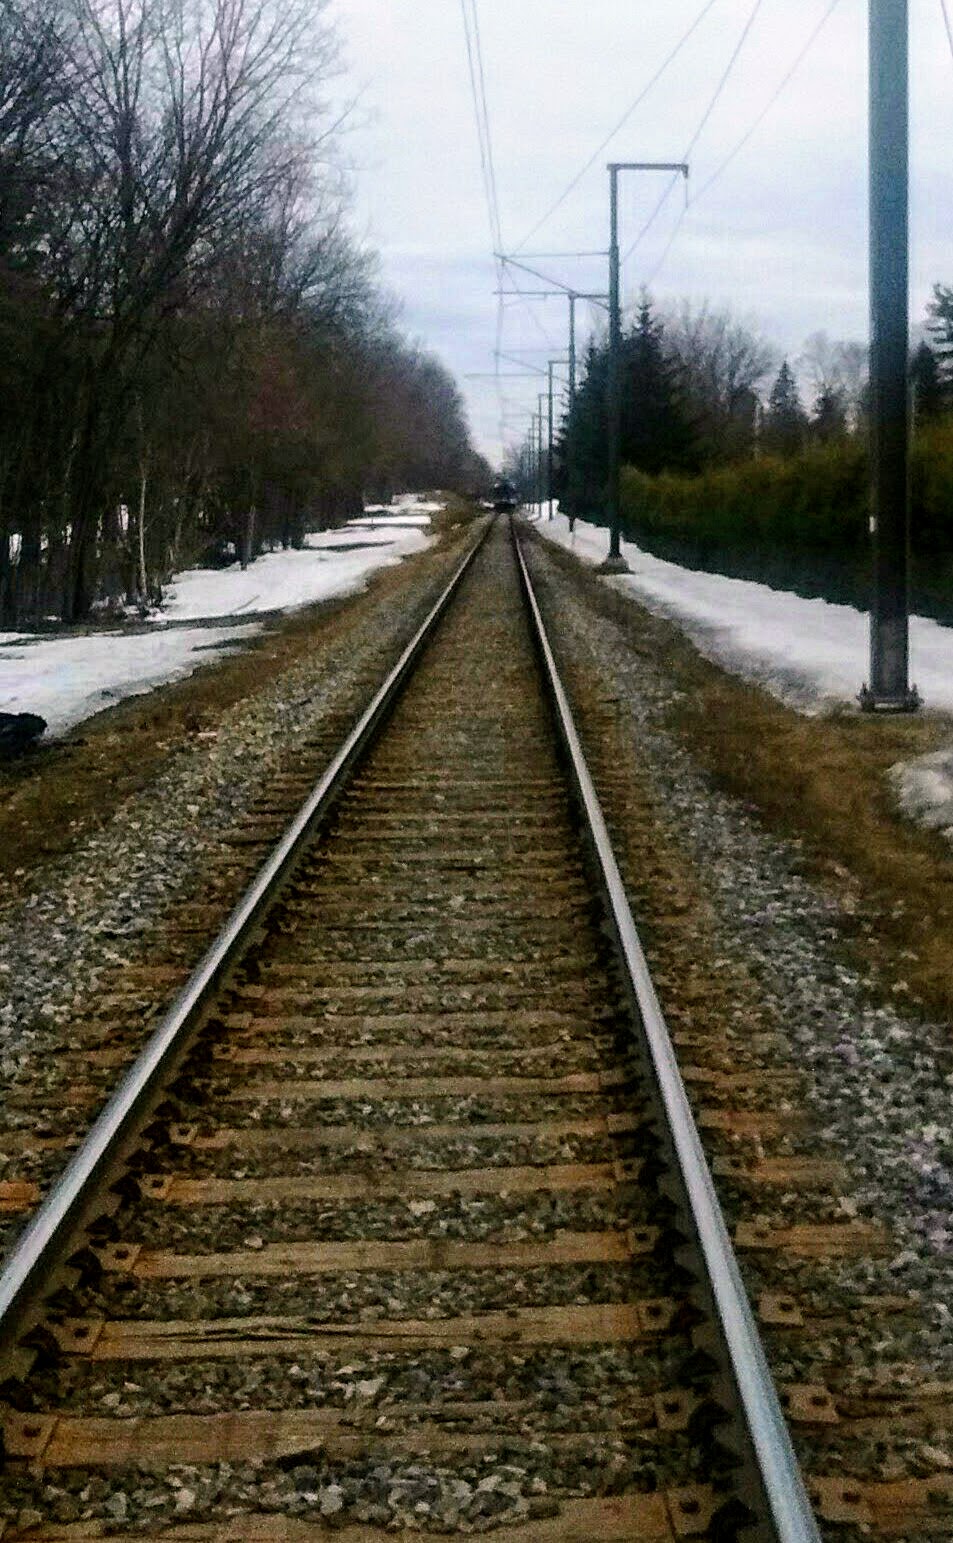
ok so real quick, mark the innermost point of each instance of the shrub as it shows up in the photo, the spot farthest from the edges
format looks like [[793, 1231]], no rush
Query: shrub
[[798, 522]]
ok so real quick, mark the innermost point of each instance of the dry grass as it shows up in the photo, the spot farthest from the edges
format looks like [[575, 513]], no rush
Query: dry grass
[[53, 797], [822, 780]]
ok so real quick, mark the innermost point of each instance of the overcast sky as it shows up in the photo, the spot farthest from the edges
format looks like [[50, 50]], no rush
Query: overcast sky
[[780, 237]]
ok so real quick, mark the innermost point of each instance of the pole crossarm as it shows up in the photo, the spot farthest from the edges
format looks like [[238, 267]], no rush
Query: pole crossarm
[[544, 294], [558, 287], [679, 166], [537, 256], [528, 369]]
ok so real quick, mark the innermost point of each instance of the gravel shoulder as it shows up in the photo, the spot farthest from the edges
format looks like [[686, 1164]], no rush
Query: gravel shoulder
[[750, 949], [137, 814], [831, 781]]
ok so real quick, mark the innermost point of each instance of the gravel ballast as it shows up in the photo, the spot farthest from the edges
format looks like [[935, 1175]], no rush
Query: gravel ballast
[[877, 1084], [101, 908], [788, 1053]]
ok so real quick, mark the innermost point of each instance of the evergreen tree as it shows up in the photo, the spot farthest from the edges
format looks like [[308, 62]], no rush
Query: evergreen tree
[[785, 422], [656, 428], [940, 328], [829, 419], [927, 386], [584, 458], [656, 433]]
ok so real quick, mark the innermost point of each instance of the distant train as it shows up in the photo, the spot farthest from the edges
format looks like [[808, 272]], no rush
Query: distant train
[[505, 496]]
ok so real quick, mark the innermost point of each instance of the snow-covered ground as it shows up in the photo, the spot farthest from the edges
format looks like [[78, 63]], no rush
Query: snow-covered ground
[[67, 679], [810, 653], [331, 563], [408, 507]]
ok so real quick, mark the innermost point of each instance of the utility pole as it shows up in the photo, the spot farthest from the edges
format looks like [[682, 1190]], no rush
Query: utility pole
[[615, 562], [549, 474], [540, 422], [889, 689]]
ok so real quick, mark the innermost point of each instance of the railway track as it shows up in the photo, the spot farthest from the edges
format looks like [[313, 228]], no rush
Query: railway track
[[400, 1221]]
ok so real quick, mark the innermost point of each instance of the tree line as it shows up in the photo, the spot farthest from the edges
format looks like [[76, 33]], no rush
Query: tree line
[[726, 469], [196, 357], [702, 390]]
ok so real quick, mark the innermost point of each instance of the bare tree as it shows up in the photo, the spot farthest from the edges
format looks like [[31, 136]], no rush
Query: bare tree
[[190, 115], [721, 362], [837, 370], [200, 357]]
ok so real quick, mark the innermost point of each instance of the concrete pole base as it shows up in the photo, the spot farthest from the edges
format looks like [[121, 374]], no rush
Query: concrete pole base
[[910, 702], [614, 565]]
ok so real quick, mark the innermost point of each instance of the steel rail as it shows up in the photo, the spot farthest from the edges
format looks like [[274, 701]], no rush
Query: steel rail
[[778, 1467], [43, 1245]]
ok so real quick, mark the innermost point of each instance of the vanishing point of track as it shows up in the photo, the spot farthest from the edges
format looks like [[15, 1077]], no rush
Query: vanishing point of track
[[402, 1212]]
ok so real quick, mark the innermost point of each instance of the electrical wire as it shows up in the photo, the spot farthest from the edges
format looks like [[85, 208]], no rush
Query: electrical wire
[[478, 49], [669, 59], [471, 25], [532, 313], [477, 73], [750, 132], [498, 342], [703, 124], [946, 23], [781, 87], [482, 128]]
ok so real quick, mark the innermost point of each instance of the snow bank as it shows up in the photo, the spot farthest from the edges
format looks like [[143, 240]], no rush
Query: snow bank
[[406, 503], [811, 654], [283, 581], [68, 679], [386, 521], [924, 789]]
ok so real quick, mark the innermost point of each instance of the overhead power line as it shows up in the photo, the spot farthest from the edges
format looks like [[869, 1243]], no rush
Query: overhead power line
[[478, 49], [532, 312], [703, 124], [481, 117], [749, 133], [779, 89], [477, 72], [669, 59], [946, 23]]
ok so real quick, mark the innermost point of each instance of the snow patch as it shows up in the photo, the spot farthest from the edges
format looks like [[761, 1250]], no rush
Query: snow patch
[[387, 521], [924, 789], [67, 679], [284, 581], [811, 654], [407, 503]]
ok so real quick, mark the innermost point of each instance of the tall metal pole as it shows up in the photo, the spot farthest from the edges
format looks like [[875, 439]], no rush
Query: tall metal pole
[[549, 474], [573, 297], [615, 561], [889, 689], [540, 399]]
